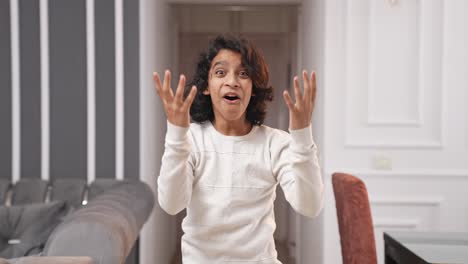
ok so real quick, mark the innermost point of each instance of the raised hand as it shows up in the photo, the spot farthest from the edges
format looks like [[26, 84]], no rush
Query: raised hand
[[177, 109], [300, 112]]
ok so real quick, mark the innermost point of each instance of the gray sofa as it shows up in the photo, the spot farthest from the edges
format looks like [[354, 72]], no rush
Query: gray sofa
[[57, 229]]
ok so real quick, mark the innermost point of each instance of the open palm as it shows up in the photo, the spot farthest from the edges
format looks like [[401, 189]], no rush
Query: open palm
[[300, 112], [177, 109]]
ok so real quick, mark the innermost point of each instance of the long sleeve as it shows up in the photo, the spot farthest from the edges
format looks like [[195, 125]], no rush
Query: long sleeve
[[295, 164], [176, 176]]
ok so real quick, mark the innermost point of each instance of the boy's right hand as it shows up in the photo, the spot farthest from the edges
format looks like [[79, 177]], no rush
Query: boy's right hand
[[177, 110]]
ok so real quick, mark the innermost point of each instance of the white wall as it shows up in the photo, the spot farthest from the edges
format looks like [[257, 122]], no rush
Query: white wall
[[158, 234], [392, 85], [396, 82], [311, 57]]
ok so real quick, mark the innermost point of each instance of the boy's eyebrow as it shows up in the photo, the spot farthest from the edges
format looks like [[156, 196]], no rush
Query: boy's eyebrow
[[220, 62], [223, 62]]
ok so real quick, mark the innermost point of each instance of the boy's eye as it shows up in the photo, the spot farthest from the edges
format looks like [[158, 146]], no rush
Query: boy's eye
[[219, 72]]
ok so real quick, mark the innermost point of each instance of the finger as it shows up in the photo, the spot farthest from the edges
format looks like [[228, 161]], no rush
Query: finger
[[157, 84], [297, 90], [180, 90], [313, 78], [167, 86], [190, 97], [288, 101], [307, 88]]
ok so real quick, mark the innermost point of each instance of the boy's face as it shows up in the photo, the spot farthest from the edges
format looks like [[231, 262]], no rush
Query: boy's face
[[229, 86]]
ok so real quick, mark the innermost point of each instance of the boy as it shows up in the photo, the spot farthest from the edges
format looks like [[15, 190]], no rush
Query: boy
[[224, 167]]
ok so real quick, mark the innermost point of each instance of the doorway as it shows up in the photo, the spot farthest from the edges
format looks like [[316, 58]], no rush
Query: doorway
[[273, 30]]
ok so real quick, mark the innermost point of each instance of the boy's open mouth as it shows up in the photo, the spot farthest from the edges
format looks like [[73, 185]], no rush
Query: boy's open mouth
[[231, 98]]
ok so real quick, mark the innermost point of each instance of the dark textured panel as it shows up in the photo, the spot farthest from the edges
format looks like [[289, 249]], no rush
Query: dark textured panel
[[30, 81], [5, 90], [105, 88], [68, 128], [132, 84]]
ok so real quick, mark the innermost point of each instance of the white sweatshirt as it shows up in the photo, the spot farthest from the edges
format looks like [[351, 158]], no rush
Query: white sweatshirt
[[228, 183]]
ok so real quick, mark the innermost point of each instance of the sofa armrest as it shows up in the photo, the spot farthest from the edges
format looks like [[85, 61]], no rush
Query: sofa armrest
[[107, 227], [50, 260]]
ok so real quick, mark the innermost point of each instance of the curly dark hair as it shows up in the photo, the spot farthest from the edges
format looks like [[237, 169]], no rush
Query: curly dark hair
[[202, 108]]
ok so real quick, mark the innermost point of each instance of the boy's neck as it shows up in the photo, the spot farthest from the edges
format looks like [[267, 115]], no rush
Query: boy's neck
[[232, 128]]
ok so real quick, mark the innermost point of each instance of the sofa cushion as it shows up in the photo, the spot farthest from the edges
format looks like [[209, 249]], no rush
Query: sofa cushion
[[24, 229], [109, 224], [4, 186], [69, 190], [28, 191], [99, 186], [50, 260]]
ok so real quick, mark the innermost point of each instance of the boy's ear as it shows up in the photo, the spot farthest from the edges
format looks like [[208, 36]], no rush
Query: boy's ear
[[206, 92]]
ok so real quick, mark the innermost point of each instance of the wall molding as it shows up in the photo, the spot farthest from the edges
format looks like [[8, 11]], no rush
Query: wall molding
[[45, 90], [368, 173], [91, 92], [416, 200], [374, 122], [15, 91], [394, 144], [400, 223], [370, 120], [372, 64], [119, 91]]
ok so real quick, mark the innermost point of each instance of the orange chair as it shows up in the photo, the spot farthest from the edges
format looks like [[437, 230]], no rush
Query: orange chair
[[354, 220]]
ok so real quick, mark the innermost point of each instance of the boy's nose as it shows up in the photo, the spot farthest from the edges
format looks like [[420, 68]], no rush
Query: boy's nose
[[232, 80]]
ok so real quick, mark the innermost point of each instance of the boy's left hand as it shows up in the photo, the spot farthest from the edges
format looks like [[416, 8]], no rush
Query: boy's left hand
[[300, 112]]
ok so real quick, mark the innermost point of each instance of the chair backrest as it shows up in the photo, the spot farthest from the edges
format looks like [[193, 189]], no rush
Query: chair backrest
[[354, 220]]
